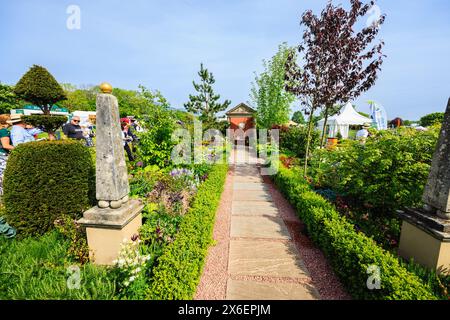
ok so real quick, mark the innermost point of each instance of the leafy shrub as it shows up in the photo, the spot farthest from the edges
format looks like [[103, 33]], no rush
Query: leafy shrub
[[350, 253], [37, 269], [388, 172], [432, 119], [76, 235], [155, 144], [294, 139], [180, 266], [46, 180]]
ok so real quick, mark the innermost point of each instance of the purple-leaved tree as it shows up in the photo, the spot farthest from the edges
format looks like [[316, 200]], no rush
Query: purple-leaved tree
[[339, 63]]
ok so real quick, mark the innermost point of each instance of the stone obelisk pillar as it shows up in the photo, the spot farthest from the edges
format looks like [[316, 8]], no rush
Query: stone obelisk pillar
[[116, 217], [426, 232]]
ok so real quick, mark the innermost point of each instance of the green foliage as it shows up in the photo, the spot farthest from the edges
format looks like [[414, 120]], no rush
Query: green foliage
[[294, 139], [156, 142], [180, 265], [298, 117], [78, 248], [131, 102], [48, 123], [350, 253], [268, 94], [205, 103], [432, 119], [37, 269], [80, 100], [8, 99], [39, 87], [387, 173], [45, 180]]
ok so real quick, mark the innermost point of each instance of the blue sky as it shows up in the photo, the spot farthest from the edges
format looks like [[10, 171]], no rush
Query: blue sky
[[160, 44]]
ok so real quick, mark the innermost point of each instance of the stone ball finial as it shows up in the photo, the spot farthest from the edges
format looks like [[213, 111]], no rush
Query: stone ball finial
[[106, 87]]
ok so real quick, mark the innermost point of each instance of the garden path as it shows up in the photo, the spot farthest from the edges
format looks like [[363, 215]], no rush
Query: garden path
[[260, 251]]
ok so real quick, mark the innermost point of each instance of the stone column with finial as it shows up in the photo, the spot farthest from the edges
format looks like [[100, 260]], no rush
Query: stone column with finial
[[426, 231], [116, 217]]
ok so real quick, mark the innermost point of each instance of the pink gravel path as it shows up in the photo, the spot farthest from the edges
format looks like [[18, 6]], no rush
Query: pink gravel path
[[213, 283]]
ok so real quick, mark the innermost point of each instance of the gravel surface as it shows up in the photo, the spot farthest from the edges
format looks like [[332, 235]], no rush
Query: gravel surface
[[213, 283]]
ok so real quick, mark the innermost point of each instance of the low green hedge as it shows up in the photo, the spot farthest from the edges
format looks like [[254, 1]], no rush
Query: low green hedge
[[45, 180], [180, 266], [349, 252]]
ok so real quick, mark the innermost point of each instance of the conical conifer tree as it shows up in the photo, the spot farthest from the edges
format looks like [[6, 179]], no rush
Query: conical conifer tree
[[205, 103]]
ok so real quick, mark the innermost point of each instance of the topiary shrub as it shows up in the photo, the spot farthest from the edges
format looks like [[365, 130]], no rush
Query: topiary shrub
[[48, 123], [46, 180], [39, 87]]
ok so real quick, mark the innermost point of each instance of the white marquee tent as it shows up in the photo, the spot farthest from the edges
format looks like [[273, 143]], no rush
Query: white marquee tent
[[341, 122]]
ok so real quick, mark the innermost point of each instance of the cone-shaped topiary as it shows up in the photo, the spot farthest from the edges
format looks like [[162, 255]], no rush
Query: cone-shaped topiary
[[39, 87]]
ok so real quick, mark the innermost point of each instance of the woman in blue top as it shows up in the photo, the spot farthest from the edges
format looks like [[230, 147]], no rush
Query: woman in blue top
[[5, 147]]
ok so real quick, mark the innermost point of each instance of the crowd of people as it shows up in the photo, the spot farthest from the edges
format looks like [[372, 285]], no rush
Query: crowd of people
[[14, 131]]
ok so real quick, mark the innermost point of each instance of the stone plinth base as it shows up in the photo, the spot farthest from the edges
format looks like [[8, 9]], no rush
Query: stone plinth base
[[107, 228], [426, 239]]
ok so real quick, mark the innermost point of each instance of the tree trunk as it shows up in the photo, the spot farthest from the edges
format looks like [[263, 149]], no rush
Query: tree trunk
[[308, 142], [327, 108]]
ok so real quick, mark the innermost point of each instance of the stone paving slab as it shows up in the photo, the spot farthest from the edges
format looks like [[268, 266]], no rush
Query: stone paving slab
[[249, 186], [254, 208], [248, 179], [243, 211], [265, 258], [259, 227], [252, 195], [253, 290], [251, 173]]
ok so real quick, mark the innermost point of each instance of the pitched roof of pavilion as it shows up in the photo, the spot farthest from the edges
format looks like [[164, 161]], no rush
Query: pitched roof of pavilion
[[241, 109]]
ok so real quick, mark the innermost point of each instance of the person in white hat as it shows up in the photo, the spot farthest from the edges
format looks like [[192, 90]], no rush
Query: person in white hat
[[362, 134], [20, 132]]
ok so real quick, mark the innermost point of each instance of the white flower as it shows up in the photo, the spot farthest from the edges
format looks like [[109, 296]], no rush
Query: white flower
[[126, 283], [132, 278]]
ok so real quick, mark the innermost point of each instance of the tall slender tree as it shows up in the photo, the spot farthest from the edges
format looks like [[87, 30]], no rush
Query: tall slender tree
[[338, 64], [272, 101], [205, 103]]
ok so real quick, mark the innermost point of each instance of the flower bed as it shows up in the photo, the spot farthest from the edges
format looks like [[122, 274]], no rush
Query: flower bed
[[181, 263]]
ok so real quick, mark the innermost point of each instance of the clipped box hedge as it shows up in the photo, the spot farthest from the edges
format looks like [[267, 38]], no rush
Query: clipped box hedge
[[44, 180], [349, 252], [180, 266]]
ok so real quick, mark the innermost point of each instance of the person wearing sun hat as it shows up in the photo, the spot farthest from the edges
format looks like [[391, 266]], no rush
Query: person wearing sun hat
[[362, 134], [20, 132]]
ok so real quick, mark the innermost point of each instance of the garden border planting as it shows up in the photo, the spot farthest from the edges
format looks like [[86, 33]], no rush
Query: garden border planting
[[350, 253], [180, 266]]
